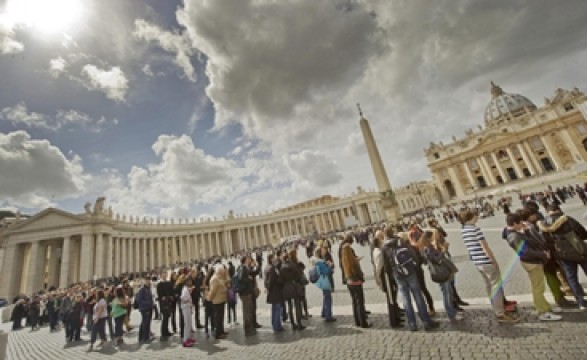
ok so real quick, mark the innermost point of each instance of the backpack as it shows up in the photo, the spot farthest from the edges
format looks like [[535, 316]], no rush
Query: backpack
[[238, 283], [313, 275], [404, 262]]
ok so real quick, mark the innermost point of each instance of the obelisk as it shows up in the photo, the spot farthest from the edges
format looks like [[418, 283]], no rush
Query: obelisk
[[388, 200]]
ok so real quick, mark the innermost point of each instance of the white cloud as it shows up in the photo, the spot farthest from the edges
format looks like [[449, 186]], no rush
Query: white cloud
[[314, 167], [170, 42], [20, 115], [147, 70], [111, 82], [36, 173], [57, 66], [7, 43]]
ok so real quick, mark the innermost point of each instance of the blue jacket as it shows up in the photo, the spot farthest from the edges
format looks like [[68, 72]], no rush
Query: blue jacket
[[144, 298]]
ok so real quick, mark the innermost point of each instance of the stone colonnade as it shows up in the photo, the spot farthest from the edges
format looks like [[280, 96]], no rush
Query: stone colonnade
[[104, 248]]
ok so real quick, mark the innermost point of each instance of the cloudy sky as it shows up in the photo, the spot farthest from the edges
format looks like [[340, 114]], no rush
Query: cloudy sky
[[191, 108]]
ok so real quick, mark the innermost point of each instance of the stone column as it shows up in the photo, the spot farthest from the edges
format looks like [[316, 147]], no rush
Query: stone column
[[54, 268], [64, 273], [87, 251], [109, 255], [165, 252], [35, 268], [568, 140], [208, 245], [526, 159], [515, 163], [11, 264], [138, 254], [499, 168], [99, 256], [197, 246], [117, 268], [174, 257], [551, 153], [533, 159], [455, 180], [489, 178]]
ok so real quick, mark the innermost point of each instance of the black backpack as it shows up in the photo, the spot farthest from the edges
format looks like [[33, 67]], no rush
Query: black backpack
[[403, 261]]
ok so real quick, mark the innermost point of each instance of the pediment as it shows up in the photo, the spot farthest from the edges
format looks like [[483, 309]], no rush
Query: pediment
[[48, 218], [490, 138]]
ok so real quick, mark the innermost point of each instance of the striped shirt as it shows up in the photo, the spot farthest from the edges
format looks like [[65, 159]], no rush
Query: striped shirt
[[472, 237]]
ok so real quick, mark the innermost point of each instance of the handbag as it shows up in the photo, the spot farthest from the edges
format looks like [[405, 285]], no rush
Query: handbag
[[323, 283], [569, 247], [442, 270]]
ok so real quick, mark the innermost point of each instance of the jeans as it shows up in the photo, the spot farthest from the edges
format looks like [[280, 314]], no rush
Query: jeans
[[422, 282], [327, 304], [89, 322], [197, 312], [448, 299], [570, 269], [275, 316], [494, 286], [409, 287], [358, 298], [145, 329], [208, 316], [99, 328], [231, 310], [164, 322], [118, 322]]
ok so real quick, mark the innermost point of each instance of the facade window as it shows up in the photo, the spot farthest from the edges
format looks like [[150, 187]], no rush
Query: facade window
[[436, 155], [502, 154], [582, 129], [568, 107], [472, 164], [403, 205]]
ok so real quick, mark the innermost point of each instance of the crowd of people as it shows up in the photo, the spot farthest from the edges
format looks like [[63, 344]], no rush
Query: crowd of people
[[551, 247]]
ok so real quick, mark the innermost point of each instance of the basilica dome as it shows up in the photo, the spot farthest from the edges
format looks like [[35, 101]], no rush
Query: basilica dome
[[505, 106]]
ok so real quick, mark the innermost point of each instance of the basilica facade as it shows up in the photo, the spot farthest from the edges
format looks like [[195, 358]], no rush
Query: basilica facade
[[518, 141]]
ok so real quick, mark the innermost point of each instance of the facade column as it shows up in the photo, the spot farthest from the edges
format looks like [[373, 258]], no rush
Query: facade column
[[472, 181], [182, 254], [550, 153], [526, 159], [123, 254], [99, 256], [165, 252], [132, 263], [109, 252], [489, 174], [11, 264], [64, 275], [499, 168], [151, 246], [34, 272], [257, 241], [197, 246], [116, 245], [144, 254], [533, 159], [568, 140], [515, 163], [457, 184], [87, 251], [54, 269], [208, 245], [174, 256]]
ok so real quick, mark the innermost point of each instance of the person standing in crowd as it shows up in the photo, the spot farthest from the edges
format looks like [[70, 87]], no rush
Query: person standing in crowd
[[166, 303], [354, 279], [568, 235], [293, 254], [555, 277], [128, 290], [245, 290], [185, 300], [412, 242], [76, 318], [218, 296], [208, 308], [119, 305], [173, 311], [274, 287], [402, 256], [327, 257], [434, 253], [533, 255], [292, 290], [231, 298], [89, 303], [144, 300], [440, 239], [65, 314], [197, 280], [324, 270], [484, 260], [99, 315]]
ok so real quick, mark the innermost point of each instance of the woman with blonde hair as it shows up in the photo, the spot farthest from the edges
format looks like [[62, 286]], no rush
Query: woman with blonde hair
[[416, 247], [434, 255]]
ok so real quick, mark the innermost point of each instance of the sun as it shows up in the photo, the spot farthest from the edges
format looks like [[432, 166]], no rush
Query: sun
[[46, 16]]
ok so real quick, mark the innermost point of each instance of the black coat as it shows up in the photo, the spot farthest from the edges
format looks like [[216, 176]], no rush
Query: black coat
[[274, 285], [291, 276]]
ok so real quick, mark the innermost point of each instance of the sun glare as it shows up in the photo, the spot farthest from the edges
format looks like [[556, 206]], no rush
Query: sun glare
[[47, 16]]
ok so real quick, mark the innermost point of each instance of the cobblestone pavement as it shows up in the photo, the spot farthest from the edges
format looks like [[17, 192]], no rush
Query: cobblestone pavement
[[476, 337]]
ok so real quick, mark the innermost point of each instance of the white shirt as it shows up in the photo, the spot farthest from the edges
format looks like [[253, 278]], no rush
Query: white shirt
[[378, 261], [186, 298]]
